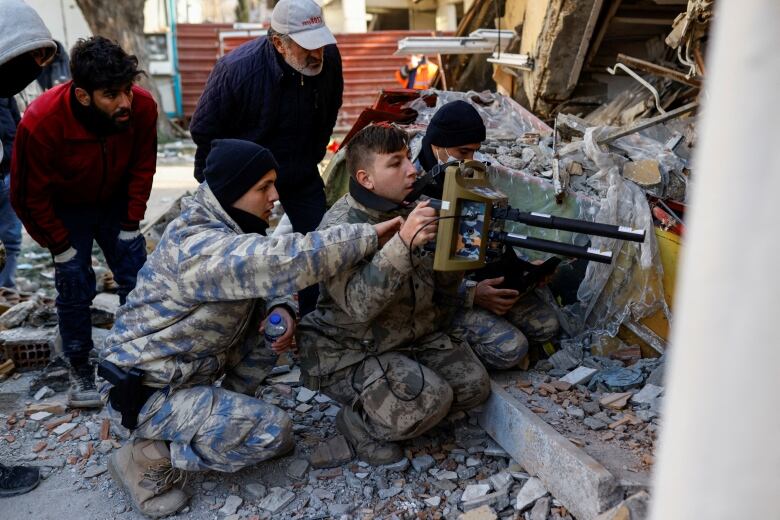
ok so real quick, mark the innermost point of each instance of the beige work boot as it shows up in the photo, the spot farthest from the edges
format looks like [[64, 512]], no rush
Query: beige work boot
[[143, 468], [371, 450]]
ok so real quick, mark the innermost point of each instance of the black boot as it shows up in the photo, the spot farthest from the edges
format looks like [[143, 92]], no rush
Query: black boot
[[83, 392], [16, 480]]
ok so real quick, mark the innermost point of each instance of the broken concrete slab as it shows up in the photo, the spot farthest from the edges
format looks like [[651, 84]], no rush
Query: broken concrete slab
[[594, 424], [277, 499], [541, 509], [433, 501], [17, 314], [564, 360], [583, 485], [43, 393], [474, 491], [579, 376], [63, 428], [481, 513], [232, 504], [422, 463], [501, 480], [291, 377], [305, 395], [398, 467], [297, 469], [647, 395], [645, 172], [634, 507], [94, 471], [531, 491], [499, 500], [615, 401], [28, 335], [40, 416]]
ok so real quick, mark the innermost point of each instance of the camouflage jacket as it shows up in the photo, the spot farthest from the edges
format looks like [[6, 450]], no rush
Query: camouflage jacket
[[388, 301], [194, 312]]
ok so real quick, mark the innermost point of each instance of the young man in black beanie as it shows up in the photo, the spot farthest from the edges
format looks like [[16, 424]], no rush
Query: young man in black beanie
[[498, 321], [195, 316], [455, 133]]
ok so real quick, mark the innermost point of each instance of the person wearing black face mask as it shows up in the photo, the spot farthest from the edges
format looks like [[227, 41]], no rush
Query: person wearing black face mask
[[82, 168], [502, 314], [25, 45]]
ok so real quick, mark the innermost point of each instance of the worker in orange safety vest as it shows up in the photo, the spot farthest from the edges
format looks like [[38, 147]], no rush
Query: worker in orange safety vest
[[417, 74]]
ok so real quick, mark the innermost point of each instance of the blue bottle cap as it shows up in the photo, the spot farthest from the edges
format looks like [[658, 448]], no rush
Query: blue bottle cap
[[274, 319]]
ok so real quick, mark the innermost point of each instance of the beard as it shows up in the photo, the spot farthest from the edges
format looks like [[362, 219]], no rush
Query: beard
[[111, 121], [307, 67]]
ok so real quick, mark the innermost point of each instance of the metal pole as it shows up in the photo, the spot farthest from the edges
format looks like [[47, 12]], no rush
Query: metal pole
[[719, 455]]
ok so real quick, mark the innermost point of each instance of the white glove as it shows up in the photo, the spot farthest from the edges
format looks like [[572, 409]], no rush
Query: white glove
[[129, 235], [65, 256]]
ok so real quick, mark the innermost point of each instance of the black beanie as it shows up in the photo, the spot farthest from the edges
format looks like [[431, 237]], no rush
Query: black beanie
[[455, 124], [233, 166]]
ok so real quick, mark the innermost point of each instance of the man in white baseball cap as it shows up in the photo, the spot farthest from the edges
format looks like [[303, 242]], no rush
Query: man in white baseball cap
[[302, 21], [282, 91]]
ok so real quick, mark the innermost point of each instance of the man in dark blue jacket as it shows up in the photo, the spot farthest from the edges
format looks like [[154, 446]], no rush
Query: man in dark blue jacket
[[282, 91]]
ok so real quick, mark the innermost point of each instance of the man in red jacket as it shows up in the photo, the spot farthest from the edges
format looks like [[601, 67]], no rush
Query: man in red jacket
[[84, 158]]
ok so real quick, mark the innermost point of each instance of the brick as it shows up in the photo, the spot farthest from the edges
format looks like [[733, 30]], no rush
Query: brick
[[620, 422], [105, 429], [615, 401], [52, 424], [52, 408]]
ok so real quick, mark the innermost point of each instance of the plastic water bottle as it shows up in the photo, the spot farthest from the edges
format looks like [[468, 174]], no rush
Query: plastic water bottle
[[275, 328]]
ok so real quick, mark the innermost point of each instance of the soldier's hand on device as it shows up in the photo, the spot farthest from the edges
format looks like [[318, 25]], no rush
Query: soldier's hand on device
[[285, 341], [498, 301], [385, 230], [420, 226]]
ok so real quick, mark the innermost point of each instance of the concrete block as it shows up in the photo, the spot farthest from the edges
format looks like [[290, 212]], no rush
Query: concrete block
[[579, 376], [583, 485], [647, 395], [531, 491], [474, 491]]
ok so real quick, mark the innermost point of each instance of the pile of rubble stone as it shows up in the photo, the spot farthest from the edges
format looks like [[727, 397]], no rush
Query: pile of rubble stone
[[455, 471]]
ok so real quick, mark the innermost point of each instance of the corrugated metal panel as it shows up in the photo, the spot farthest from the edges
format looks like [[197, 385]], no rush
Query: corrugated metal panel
[[369, 64], [198, 46]]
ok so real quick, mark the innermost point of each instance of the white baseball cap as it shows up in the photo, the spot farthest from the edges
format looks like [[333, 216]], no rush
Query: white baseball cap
[[302, 20]]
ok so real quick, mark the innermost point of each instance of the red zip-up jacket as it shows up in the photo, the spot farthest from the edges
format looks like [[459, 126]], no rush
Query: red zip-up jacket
[[58, 162]]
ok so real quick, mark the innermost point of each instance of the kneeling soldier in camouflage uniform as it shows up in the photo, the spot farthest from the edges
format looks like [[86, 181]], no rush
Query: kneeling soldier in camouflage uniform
[[497, 321], [377, 342], [195, 316]]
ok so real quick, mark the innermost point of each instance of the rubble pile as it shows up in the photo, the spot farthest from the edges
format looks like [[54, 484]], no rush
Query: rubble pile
[[621, 403], [455, 471]]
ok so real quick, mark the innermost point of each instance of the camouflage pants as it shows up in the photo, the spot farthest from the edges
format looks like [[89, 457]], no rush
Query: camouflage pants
[[502, 341], [210, 428], [401, 395]]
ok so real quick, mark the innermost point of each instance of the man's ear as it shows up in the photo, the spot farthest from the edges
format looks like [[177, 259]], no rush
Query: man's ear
[[364, 179], [82, 96], [278, 45]]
